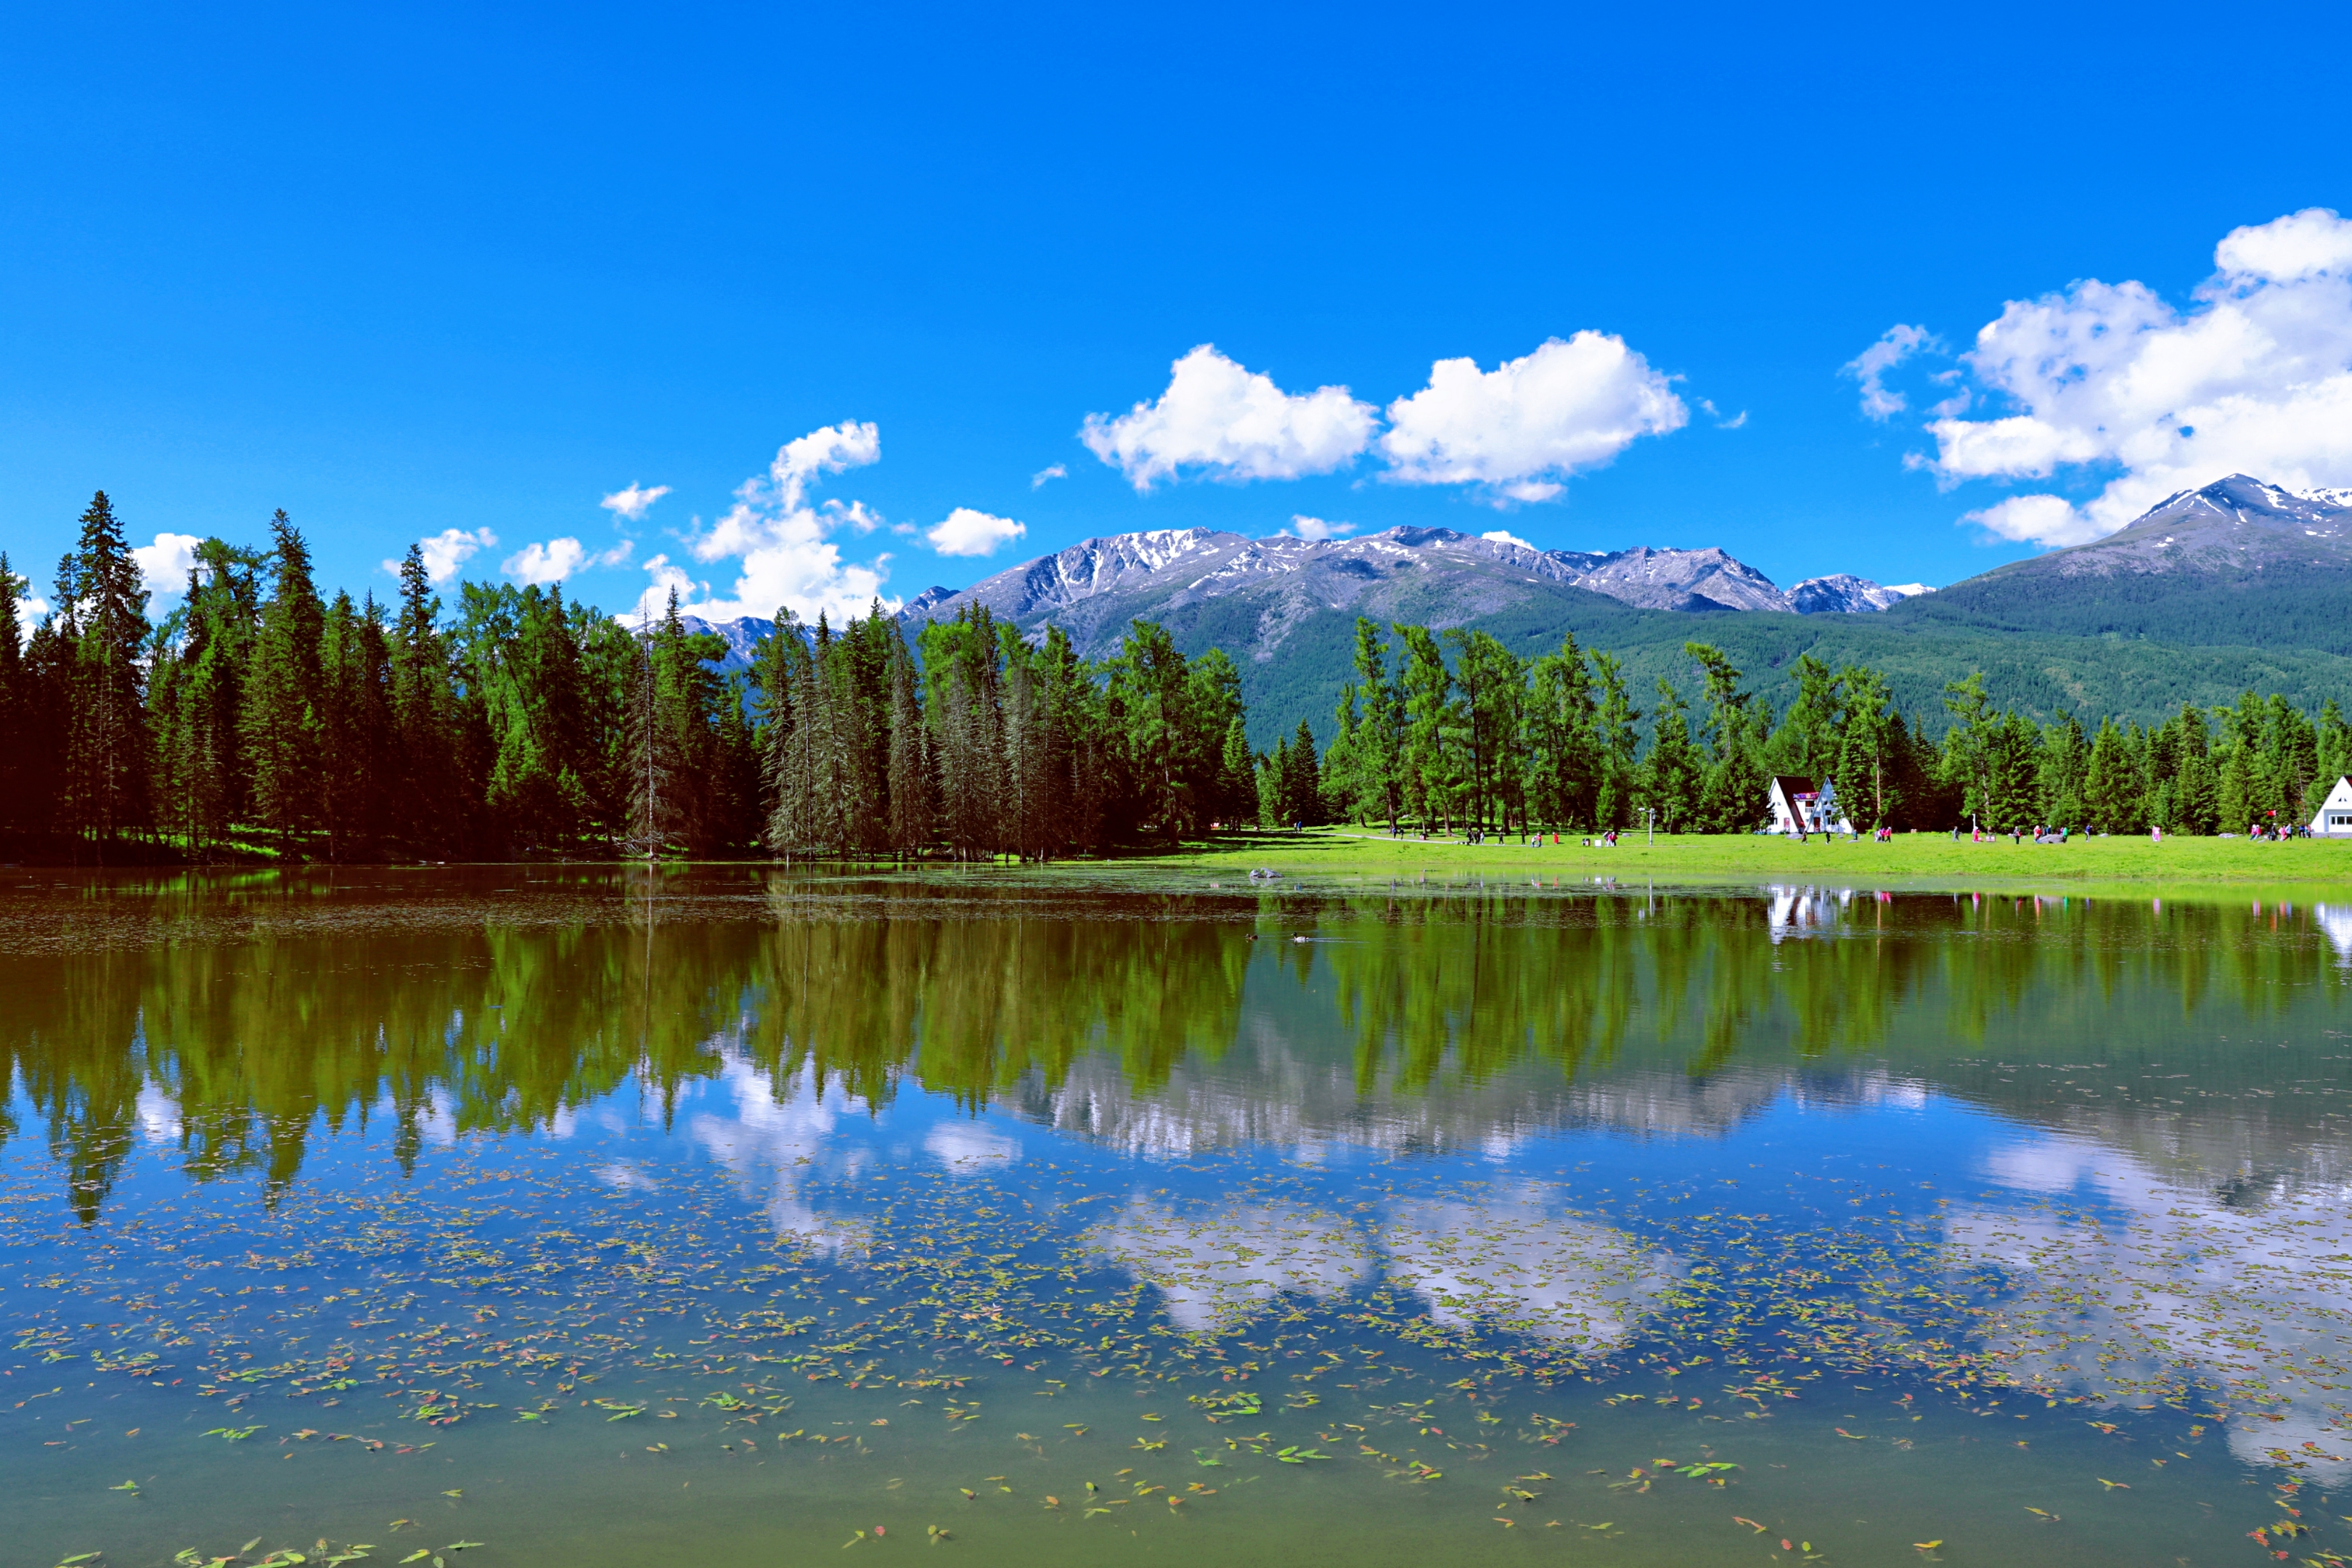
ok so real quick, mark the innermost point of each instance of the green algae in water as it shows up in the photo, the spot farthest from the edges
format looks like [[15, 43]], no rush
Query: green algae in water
[[738, 1213]]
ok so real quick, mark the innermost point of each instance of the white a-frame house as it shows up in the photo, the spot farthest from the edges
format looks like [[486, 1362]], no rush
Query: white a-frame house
[[1797, 808], [2334, 818]]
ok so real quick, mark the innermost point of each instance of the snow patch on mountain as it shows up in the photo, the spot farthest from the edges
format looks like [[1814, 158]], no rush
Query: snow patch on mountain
[[1843, 594]]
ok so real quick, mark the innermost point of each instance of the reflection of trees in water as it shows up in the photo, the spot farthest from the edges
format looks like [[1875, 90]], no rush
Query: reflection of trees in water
[[261, 1013]]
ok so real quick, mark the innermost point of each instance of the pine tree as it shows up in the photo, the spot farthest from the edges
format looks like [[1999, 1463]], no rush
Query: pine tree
[[430, 816], [2110, 789], [1671, 773], [356, 730], [1564, 765], [1732, 792], [108, 762], [1302, 780], [1426, 765], [1619, 738], [1869, 749], [1381, 753], [909, 757], [16, 698], [282, 712]]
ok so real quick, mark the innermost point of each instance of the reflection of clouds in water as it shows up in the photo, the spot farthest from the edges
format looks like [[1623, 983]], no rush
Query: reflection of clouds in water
[[159, 1117], [961, 1145], [2179, 1283], [1514, 1265], [1214, 1273], [1506, 1263], [627, 1178], [778, 1132]]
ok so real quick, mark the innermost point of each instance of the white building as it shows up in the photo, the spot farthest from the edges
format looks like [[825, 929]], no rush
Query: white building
[[2334, 818], [1798, 806]]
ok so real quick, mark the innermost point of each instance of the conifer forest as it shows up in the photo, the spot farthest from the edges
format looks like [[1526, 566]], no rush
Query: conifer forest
[[262, 719]]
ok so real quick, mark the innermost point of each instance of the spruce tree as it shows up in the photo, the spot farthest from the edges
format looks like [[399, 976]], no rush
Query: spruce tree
[[283, 714], [108, 761], [910, 756], [428, 811], [15, 699], [1671, 773], [1615, 723]]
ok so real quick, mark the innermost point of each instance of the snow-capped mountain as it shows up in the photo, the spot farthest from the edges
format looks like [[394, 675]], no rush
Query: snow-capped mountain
[[1843, 593], [741, 636], [1094, 587], [2236, 564]]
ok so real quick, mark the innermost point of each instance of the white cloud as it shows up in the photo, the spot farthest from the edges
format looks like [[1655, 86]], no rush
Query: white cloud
[[1315, 528], [783, 543], [30, 608], [1528, 425], [447, 551], [2255, 376], [1231, 423], [560, 559], [1895, 345], [1505, 536], [2037, 520], [668, 575], [164, 566], [633, 503], [970, 532], [1057, 471]]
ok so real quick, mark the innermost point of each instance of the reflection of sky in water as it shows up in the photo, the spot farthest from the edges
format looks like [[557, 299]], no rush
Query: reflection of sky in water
[[2127, 1279]]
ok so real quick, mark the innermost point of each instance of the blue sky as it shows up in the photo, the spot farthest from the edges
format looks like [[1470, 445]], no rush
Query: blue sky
[[416, 272]]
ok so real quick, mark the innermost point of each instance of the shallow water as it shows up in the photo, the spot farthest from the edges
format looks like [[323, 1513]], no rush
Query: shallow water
[[605, 1218]]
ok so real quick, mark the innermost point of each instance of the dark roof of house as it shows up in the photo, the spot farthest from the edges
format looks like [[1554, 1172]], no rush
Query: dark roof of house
[[1792, 786]]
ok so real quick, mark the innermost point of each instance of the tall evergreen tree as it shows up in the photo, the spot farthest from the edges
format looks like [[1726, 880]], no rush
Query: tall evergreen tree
[[1379, 754], [431, 813], [1563, 739], [16, 698], [1619, 739], [281, 715], [108, 761], [910, 756], [1671, 776], [1426, 764]]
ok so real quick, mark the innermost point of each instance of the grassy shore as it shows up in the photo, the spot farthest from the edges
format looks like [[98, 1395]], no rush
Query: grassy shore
[[2313, 867]]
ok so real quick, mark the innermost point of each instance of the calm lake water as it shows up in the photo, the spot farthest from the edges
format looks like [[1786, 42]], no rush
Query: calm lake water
[[600, 1217]]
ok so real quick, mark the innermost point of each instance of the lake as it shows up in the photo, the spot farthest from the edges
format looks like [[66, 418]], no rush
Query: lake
[[588, 1217]]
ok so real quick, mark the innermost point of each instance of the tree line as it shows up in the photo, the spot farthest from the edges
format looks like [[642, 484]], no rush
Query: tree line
[[1451, 730], [260, 716]]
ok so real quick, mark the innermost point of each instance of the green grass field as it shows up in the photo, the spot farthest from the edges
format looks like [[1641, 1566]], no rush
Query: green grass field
[[2311, 867]]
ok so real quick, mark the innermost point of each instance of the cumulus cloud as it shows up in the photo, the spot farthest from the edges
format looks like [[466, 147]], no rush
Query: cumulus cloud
[[781, 541], [1505, 536], [30, 609], [447, 551], [560, 559], [1315, 528], [968, 532], [1057, 471], [634, 502], [164, 565], [1895, 345], [2254, 376], [1522, 428], [1229, 423], [668, 577]]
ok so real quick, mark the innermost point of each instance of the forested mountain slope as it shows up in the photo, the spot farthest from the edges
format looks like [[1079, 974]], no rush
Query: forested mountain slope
[[2237, 563]]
